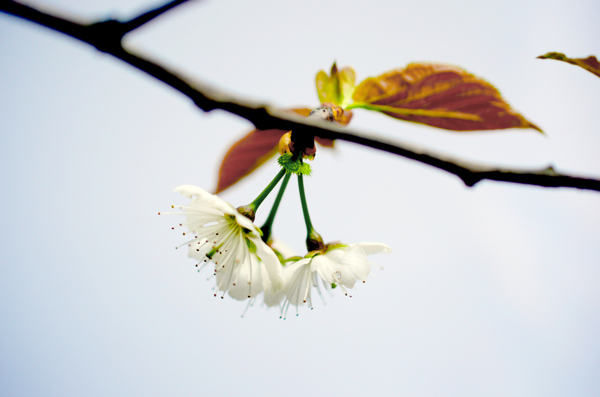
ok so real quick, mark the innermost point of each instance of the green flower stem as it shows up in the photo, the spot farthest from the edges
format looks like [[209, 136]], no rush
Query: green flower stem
[[261, 197], [314, 241], [249, 211], [309, 226], [268, 226]]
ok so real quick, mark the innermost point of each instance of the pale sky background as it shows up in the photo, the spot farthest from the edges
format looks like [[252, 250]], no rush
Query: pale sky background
[[489, 291]]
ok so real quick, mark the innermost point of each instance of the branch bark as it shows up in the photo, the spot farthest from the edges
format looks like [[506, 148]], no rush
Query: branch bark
[[107, 37], [150, 15]]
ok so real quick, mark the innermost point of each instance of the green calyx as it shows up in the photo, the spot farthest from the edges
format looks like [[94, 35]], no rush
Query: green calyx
[[331, 247], [314, 253], [291, 259], [325, 248], [293, 166], [249, 211], [279, 256], [314, 241]]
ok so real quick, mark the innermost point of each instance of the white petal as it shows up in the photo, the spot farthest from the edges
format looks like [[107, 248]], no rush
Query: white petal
[[242, 289], [298, 277], [245, 222], [190, 190], [289, 271], [326, 267], [272, 264], [205, 199], [343, 266], [374, 248], [336, 272], [356, 266], [273, 298]]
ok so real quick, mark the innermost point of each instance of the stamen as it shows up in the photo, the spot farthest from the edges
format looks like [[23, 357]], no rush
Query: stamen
[[202, 267], [171, 213], [202, 244], [316, 284], [186, 243], [250, 304], [345, 291]]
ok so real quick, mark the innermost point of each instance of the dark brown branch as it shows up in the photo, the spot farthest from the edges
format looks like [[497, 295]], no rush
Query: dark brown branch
[[106, 36], [31, 14], [150, 15]]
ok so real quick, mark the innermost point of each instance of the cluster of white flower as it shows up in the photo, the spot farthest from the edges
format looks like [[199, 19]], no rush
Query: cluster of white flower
[[245, 266]]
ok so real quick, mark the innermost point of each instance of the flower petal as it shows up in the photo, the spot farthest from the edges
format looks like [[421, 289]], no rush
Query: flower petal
[[190, 190], [239, 287], [342, 266], [272, 265], [374, 248], [205, 199], [298, 282]]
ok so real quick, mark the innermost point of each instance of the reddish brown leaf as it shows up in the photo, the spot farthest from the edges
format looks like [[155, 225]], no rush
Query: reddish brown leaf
[[438, 95], [324, 142], [252, 151], [590, 63], [246, 155]]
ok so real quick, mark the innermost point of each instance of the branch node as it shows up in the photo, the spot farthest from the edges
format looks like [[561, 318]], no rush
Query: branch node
[[550, 171], [470, 179], [106, 35]]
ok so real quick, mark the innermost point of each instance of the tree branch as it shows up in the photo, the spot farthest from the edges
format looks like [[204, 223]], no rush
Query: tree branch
[[106, 36], [150, 15]]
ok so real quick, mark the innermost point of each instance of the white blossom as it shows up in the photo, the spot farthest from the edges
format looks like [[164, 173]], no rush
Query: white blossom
[[268, 297], [244, 264], [338, 265]]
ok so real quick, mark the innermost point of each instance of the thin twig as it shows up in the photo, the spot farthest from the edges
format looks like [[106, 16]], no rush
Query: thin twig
[[150, 15], [106, 36]]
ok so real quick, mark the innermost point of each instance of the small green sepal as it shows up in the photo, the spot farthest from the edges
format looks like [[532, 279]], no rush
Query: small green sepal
[[293, 166], [312, 254], [331, 247], [291, 259]]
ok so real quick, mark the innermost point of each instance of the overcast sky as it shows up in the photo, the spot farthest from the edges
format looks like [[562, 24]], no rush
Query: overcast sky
[[492, 290]]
